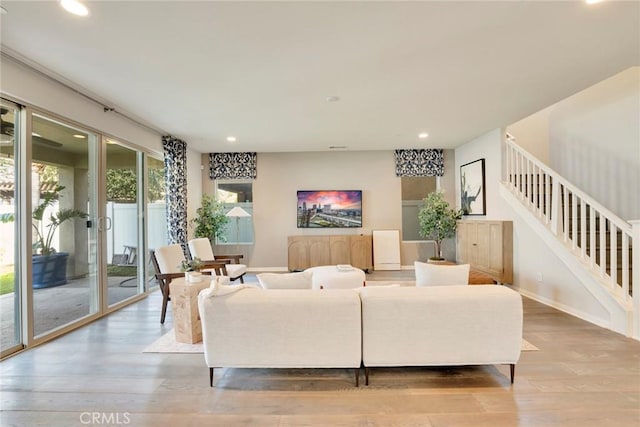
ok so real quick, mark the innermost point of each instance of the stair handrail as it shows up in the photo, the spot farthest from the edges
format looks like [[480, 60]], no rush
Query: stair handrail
[[615, 219]]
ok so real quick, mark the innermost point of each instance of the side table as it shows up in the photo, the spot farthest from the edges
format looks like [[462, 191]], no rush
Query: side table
[[184, 303]]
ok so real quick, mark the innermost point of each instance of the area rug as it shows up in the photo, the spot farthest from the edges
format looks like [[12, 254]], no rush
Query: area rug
[[167, 344]]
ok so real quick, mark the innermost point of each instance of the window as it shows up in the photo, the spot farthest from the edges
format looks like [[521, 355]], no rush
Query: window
[[237, 193], [414, 189]]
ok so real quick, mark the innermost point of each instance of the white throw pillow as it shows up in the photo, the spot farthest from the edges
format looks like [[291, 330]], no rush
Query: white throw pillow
[[441, 275], [300, 280]]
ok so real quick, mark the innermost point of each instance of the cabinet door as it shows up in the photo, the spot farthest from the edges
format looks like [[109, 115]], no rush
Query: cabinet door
[[298, 253], [495, 253], [361, 252], [482, 243], [472, 243], [319, 251], [339, 250], [462, 237]]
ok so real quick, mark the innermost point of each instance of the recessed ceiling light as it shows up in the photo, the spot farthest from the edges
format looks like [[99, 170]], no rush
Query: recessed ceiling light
[[423, 135], [231, 139], [333, 98], [75, 7], [592, 1], [79, 136]]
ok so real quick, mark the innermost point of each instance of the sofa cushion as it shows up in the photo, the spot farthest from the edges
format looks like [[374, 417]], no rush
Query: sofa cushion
[[302, 280], [441, 275], [440, 325]]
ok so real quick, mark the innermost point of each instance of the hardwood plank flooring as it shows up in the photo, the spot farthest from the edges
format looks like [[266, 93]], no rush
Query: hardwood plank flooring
[[582, 375]]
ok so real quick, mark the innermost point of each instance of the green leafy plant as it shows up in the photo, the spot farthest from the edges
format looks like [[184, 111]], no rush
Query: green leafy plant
[[437, 220], [44, 238], [210, 220], [191, 265]]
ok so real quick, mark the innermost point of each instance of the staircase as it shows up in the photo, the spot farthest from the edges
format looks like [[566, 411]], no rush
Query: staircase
[[594, 243]]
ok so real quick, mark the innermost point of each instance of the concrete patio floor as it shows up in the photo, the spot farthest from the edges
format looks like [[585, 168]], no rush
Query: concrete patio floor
[[57, 306]]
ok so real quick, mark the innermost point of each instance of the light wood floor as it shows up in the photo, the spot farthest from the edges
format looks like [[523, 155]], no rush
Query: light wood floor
[[583, 375]]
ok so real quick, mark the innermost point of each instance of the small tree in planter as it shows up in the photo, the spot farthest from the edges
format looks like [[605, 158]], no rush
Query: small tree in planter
[[437, 220], [49, 266], [210, 221]]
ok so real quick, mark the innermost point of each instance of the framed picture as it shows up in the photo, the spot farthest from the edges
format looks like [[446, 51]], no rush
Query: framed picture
[[472, 188]]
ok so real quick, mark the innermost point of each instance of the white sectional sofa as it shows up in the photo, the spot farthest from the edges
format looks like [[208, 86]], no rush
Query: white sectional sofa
[[371, 326], [442, 325], [282, 328]]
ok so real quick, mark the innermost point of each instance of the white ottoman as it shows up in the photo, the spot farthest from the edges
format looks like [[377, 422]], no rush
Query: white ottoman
[[332, 277]]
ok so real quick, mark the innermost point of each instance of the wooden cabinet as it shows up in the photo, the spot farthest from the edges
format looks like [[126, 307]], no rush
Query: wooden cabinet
[[361, 252], [311, 251], [487, 246]]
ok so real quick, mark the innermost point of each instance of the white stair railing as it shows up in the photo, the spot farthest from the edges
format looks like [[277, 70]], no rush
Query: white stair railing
[[596, 235]]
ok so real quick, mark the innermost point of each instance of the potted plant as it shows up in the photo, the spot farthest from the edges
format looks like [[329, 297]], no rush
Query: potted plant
[[437, 220], [49, 266], [191, 270], [210, 220]]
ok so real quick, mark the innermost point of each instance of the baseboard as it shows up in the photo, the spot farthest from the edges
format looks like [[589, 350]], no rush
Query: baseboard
[[566, 309]]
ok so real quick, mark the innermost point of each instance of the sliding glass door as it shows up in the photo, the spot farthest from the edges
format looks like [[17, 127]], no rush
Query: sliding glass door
[[124, 186], [10, 337], [65, 234], [156, 213], [79, 213]]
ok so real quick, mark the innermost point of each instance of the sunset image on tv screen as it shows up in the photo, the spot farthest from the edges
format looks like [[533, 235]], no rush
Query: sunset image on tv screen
[[333, 208]]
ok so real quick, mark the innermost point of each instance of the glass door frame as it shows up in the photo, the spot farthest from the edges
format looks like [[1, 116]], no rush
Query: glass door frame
[[24, 269], [22, 263], [105, 224]]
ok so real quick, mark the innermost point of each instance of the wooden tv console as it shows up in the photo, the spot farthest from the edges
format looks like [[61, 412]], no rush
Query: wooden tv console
[[312, 251]]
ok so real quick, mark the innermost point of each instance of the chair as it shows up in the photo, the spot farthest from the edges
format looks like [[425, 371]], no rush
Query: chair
[[166, 263], [201, 248]]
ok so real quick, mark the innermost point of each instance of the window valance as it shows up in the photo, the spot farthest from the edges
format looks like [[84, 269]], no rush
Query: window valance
[[233, 165], [420, 162]]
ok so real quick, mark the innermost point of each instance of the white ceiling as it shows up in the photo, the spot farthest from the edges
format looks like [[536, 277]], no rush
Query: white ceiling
[[262, 71]]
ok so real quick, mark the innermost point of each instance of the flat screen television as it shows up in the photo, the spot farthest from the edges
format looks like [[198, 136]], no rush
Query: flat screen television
[[330, 209]]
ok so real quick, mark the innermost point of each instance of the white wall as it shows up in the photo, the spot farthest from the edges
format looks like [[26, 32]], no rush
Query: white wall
[[486, 147], [595, 142], [531, 257], [281, 175], [532, 134], [593, 139], [27, 86]]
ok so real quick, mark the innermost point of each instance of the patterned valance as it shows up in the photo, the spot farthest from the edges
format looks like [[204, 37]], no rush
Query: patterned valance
[[422, 162], [233, 165], [175, 174]]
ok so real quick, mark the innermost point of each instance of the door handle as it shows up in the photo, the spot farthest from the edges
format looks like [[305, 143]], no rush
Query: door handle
[[104, 223]]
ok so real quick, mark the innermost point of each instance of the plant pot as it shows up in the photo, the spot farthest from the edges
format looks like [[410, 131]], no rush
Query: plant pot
[[49, 270], [193, 276]]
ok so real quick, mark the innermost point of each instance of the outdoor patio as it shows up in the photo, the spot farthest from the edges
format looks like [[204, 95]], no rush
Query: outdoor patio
[[57, 306]]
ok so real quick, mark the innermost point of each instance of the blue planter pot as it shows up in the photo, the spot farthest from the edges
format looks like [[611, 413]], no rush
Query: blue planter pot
[[50, 270]]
